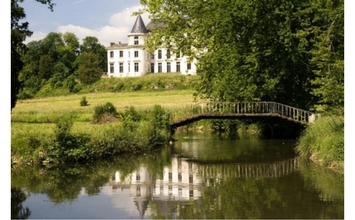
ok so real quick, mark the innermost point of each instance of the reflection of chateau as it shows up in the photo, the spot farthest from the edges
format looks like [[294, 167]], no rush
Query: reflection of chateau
[[180, 182], [140, 185]]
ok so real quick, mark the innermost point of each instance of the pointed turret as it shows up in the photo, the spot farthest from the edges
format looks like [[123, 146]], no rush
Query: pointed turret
[[139, 26]]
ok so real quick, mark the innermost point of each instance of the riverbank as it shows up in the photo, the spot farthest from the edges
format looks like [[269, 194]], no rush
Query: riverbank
[[323, 142], [125, 132], [36, 119]]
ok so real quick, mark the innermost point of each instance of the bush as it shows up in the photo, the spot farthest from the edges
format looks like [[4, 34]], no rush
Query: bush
[[104, 113], [83, 101]]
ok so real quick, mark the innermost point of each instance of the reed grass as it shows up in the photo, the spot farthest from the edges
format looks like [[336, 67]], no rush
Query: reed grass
[[324, 141]]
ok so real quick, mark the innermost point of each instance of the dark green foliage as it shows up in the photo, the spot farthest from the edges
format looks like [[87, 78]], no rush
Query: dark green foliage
[[91, 45], [19, 33], [285, 51], [160, 120], [67, 146], [89, 70], [83, 101]]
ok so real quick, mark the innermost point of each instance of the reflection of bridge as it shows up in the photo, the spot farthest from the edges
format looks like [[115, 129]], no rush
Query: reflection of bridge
[[230, 110], [183, 180], [233, 170]]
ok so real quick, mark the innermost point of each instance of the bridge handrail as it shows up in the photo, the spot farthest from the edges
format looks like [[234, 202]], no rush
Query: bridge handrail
[[242, 108]]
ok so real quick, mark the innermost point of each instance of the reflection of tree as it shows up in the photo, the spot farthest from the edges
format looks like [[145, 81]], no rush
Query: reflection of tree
[[214, 149], [288, 196], [64, 183], [17, 211], [329, 183]]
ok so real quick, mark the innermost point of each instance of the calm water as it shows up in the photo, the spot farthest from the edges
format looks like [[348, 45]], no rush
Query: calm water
[[202, 176]]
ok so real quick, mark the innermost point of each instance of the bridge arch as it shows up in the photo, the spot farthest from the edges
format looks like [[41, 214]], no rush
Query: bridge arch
[[233, 110]]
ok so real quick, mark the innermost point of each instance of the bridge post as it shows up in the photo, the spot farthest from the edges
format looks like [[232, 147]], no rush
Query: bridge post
[[311, 118]]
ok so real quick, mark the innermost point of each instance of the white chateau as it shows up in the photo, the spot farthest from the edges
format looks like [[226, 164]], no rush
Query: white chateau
[[131, 60]]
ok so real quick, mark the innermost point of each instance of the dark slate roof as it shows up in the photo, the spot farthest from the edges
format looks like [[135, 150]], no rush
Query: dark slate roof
[[139, 26], [150, 25]]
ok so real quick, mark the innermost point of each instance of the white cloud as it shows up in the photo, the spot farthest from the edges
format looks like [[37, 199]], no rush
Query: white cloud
[[118, 27], [36, 36]]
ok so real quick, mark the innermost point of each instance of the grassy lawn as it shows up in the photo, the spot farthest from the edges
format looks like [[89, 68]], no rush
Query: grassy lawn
[[44, 110]]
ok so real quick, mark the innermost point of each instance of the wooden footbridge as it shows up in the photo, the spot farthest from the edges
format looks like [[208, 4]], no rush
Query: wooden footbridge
[[232, 110]]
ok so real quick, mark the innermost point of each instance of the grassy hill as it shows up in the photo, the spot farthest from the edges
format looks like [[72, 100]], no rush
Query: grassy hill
[[149, 82]]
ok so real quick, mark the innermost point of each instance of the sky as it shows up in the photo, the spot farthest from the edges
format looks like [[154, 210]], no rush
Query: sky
[[107, 20]]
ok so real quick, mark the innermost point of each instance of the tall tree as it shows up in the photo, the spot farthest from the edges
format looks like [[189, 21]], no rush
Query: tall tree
[[19, 32], [89, 68], [246, 50], [328, 54], [91, 44]]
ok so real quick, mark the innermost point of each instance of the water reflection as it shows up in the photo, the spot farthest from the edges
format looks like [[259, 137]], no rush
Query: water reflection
[[18, 196], [256, 179]]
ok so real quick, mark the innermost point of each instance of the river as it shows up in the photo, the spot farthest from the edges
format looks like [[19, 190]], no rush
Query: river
[[200, 176]]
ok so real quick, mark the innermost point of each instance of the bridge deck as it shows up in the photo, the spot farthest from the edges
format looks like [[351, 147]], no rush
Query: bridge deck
[[228, 110]]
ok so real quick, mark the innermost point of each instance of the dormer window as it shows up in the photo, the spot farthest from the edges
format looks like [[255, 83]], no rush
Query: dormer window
[[136, 42]]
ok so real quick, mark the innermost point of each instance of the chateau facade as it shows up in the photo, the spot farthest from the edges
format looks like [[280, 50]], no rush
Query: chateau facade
[[131, 60]]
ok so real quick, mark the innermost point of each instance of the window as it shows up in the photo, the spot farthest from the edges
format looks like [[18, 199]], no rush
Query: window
[[121, 67], [152, 56], [179, 177], [112, 68], [178, 55], [168, 67], [138, 189], [136, 67], [138, 177], [159, 54], [111, 54], [168, 54], [159, 68], [135, 53], [136, 42], [152, 67], [170, 176], [189, 66], [191, 193], [121, 53], [178, 67]]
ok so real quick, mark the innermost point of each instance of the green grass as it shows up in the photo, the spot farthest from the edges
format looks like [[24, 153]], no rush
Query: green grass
[[149, 82], [324, 141], [34, 123], [49, 109]]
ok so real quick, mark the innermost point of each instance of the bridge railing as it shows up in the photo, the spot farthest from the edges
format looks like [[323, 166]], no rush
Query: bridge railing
[[242, 109]]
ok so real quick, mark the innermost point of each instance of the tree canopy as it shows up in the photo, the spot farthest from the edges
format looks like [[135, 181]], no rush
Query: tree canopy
[[19, 32], [59, 60], [285, 51]]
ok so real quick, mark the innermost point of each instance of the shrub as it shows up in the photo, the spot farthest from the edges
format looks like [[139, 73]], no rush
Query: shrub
[[104, 113], [83, 101]]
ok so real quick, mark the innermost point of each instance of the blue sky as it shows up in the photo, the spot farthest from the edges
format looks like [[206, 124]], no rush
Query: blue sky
[[108, 20]]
